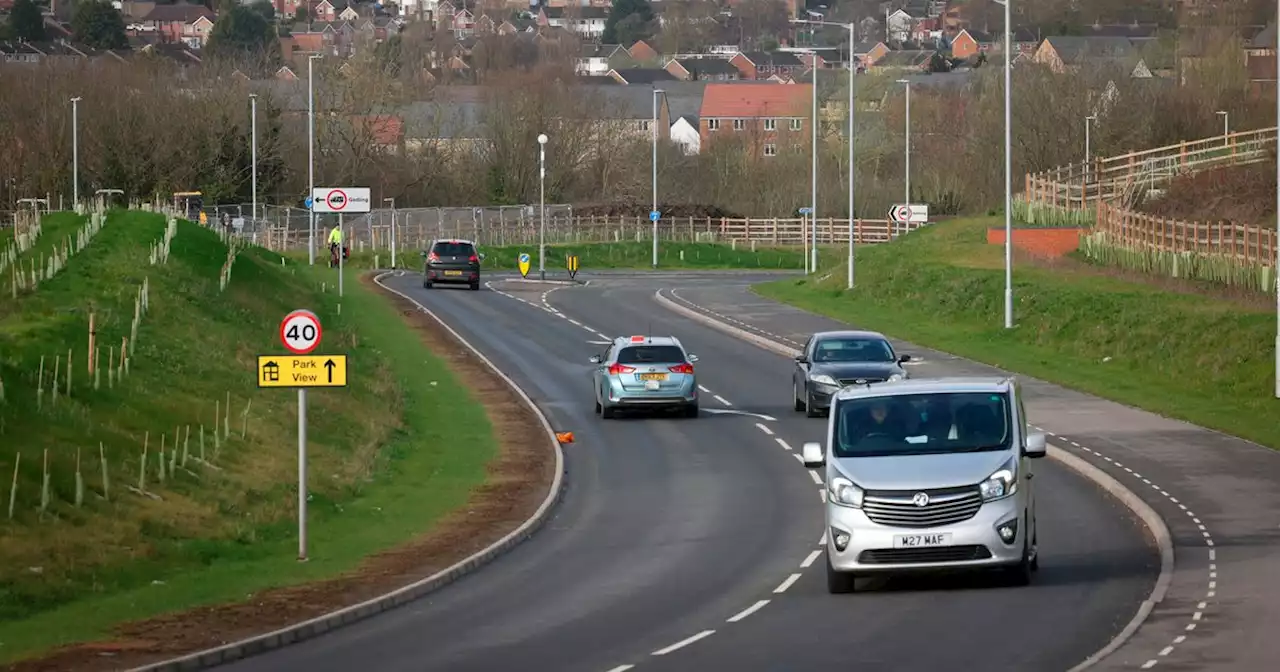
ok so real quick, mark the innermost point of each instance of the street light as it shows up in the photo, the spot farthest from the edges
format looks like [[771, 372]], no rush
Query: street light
[[392, 201], [852, 71], [253, 105], [813, 212], [1087, 149], [655, 175], [311, 159], [1226, 125], [907, 150], [75, 152], [542, 206], [1277, 266], [1008, 165]]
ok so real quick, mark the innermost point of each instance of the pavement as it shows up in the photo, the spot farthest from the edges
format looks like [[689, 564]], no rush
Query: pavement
[[1218, 495], [694, 544]]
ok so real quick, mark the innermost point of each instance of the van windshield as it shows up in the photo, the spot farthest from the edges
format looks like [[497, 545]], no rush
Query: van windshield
[[922, 424]]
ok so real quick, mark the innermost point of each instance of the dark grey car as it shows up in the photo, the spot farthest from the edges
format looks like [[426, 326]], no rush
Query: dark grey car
[[831, 360], [452, 262]]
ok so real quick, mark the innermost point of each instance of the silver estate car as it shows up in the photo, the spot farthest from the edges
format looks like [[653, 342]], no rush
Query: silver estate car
[[926, 475], [831, 360], [645, 372]]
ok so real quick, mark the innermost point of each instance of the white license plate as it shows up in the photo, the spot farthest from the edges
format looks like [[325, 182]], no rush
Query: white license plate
[[922, 540], [652, 384]]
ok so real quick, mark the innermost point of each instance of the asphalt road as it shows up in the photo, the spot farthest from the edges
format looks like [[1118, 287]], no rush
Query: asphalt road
[[707, 531]]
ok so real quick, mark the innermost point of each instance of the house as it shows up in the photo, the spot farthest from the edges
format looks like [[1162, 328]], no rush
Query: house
[[902, 23], [587, 22], [1063, 53], [452, 126], [599, 59], [1260, 61], [323, 11], [868, 53], [185, 23], [684, 102], [970, 42], [627, 111], [768, 117], [904, 61], [762, 65], [384, 133], [641, 52], [641, 75], [705, 69]]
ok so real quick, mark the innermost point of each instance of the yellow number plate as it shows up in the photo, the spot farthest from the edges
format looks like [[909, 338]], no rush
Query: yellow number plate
[[453, 272], [653, 376]]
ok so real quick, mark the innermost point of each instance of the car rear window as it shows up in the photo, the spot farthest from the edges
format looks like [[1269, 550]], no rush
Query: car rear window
[[454, 249], [650, 354]]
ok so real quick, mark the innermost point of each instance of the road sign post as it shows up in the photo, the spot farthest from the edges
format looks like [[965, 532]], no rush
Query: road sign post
[[909, 213], [300, 334], [522, 262], [571, 265]]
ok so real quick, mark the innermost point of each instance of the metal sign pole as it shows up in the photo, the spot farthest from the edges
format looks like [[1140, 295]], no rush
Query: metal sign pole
[[302, 475], [342, 243]]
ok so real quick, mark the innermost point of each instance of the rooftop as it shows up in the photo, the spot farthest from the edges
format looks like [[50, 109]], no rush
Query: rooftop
[[948, 385]]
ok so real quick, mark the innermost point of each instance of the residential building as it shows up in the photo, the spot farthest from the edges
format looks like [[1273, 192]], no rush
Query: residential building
[[703, 69], [641, 75], [970, 42], [627, 111], [868, 53], [185, 23], [684, 102], [1063, 53], [905, 61], [643, 52], [763, 65], [599, 59], [769, 117], [587, 22], [1260, 55]]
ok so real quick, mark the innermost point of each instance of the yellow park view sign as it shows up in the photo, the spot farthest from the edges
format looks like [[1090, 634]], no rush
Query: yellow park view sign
[[302, 370]]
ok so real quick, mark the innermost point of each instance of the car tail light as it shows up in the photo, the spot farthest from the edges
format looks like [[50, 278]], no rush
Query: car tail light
[[433, 257], [473, 259], [616, 369], [682, 368]]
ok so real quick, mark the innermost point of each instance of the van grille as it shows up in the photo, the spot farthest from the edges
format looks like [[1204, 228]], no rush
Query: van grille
[[946, 506], [906, 556], [861, 380]]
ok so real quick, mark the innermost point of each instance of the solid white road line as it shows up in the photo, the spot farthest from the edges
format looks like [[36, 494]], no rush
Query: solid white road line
[[722, 400], [621, 668], [817, 480], [684, 642], [704, 389], [784, 444], [764, 428], [748, 611], [808, 562], [786, 583]]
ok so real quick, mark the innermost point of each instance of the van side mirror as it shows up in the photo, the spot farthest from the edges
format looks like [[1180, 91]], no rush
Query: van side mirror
[[691, 358], [801, 358], [813, 455], [1036, 446], [904, 358], [595, 359]]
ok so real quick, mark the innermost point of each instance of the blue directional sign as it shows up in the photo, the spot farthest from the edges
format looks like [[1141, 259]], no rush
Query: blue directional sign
[[654, 215], [308, 202], [806, 211]]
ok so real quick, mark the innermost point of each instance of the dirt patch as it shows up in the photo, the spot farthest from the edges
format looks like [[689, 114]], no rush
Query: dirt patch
[[516, 485], [1240, 194]]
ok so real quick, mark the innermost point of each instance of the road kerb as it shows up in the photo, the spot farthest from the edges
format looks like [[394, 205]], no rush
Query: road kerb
[[319, 625], [1151, 519]]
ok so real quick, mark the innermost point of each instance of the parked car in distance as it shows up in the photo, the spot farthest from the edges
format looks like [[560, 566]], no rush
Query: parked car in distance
[[929, 475], [645, 372], [452, 261], [831, 360]]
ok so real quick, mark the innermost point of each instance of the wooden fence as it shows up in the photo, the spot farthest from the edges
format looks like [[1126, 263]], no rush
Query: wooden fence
[[1249, 245], [375, 233], [1120, 179]]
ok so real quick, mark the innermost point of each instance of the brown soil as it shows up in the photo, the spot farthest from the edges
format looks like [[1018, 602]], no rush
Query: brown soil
[[517, 483], [1240, 194]]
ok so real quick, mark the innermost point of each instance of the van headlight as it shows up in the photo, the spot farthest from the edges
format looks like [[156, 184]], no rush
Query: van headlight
[[824, 379], [842, 491], [896, 377], [1002, 483]]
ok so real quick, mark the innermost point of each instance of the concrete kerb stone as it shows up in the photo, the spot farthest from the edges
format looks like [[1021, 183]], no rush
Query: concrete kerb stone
[[1150, 518], [316, 626]]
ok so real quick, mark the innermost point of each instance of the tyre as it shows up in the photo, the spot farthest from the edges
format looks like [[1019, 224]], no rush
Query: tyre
[[796, 401], [606, 412], [1020, 574], [690, 411], [475, 286], [809, 410], [426, 284], [597, 407], [839, 583]]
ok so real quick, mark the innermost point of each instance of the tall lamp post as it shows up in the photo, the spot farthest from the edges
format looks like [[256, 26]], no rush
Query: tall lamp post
[[1277, 266], [906, 153], [852, 72], [1088, 149], [1226, 125], [813, 179], [75, 152], [1008, 165], [253, 104], [655, 176], [311, 159], [542, 206], [392, 201]]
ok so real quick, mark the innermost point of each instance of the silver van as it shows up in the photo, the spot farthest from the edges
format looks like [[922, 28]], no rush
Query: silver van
[[928, 474]]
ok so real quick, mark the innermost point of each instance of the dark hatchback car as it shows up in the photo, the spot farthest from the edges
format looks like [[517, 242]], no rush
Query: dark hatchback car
[[452, 262], [831, 360]]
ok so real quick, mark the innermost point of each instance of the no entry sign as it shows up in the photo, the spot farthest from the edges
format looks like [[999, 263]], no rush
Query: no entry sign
[[341, 199]]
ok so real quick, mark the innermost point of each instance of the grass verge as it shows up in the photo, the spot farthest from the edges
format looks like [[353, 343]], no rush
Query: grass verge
[[389, 456], [671, 255], [1181, 354]]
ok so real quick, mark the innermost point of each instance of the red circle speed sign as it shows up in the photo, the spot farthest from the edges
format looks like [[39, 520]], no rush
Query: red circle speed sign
[[300, 332], [336, 199], [903, 213]]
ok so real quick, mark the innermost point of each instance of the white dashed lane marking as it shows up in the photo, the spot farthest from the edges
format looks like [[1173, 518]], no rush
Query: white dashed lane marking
[[748, 611], [813, 555], [684, 642], [722, 400], [1207, 538], [787, 583]]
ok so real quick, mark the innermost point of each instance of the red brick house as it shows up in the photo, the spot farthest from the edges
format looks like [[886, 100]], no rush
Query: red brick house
[[189, 24], [768, 116], [969, 43], [1260, 55], [641, 52], [763, 65]]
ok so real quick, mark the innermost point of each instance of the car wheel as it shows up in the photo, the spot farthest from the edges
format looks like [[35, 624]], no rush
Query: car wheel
[[1035, 547], [597, 406], [839, 583], [475, 286], [1020, 574], [606, 412], [796, 401], [690, 411], [426, 284], [809, 410]]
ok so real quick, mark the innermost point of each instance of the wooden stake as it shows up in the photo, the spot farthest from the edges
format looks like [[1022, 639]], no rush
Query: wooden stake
[[13, 487], [106, 481], [185, 444], [226, 419], [93, 345], [142, 472], [53, 397], [79, 481], [68, 393], [97, 373], [40, 385], [44, 483]]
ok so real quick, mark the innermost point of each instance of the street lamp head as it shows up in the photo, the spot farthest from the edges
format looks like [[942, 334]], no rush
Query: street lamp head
[[542, 138]]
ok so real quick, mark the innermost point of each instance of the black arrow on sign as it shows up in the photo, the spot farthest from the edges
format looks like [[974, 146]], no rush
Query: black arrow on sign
[[330, 366]]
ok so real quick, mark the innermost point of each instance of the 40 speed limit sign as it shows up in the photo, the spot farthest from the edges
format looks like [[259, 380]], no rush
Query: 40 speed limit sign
[[300, 332]]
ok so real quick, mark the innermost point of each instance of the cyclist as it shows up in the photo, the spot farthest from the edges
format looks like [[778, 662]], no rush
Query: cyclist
[[335, 245]]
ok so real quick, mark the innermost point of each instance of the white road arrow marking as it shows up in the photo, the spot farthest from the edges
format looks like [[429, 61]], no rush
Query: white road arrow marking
[[762, 416]]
